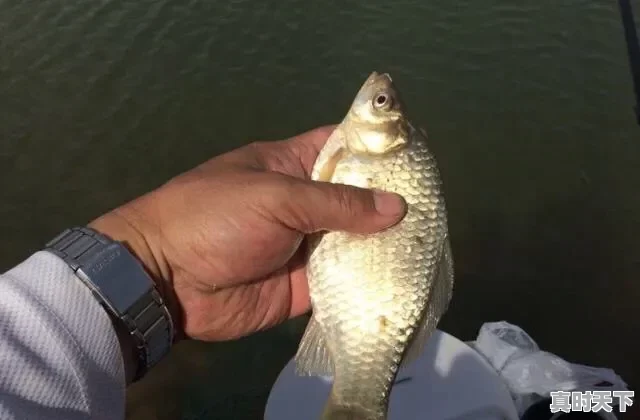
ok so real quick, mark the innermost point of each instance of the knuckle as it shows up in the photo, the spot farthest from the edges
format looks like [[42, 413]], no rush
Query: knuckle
[[349, 201], [274, 157], [287, 188], [276, 190], [295, 206], [257, 146]]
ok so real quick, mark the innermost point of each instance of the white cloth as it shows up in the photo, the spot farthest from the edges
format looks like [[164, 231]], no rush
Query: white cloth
[[59, 354]]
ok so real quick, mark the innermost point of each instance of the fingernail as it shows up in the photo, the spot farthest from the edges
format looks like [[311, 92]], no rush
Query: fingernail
[[388, 204]]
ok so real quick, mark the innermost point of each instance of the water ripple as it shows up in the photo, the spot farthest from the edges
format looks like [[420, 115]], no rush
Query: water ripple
[[519, 97]]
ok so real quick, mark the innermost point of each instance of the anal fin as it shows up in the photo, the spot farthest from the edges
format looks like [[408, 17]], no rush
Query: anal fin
[[313, 357], [438, 305]]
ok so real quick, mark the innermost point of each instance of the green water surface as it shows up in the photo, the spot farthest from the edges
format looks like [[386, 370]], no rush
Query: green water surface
[[528, 105]]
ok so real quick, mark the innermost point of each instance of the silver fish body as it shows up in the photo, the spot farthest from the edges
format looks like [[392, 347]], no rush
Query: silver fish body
[[376, 298]]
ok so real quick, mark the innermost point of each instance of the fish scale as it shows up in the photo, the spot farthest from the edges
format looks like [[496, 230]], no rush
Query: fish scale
[[376, 298]]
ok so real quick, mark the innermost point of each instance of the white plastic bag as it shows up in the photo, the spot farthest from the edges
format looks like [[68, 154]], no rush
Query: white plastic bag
[[530, 373]]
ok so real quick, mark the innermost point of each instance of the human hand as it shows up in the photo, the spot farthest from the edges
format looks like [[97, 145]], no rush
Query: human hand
[[222, 241]]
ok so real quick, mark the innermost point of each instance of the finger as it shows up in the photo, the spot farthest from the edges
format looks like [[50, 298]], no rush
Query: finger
[[305, 147], [314, 206], [299, 286], [300, 301]]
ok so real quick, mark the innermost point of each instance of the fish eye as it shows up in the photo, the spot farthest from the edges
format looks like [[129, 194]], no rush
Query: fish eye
[[382, 100]]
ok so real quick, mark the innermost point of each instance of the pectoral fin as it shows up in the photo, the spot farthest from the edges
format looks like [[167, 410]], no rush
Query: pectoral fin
[[438, 304], [313, 357], [329, 157], [419, 129]]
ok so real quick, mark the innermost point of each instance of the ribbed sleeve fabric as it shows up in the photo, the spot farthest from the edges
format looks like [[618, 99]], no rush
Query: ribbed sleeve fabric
[[59, 354]]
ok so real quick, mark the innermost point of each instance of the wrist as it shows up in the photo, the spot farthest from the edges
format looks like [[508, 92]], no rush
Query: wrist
[[122, 225], [118, 226], [126, 226], [117, 280]]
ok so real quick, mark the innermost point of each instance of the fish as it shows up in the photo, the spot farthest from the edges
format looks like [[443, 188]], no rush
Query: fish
[[376, 298]]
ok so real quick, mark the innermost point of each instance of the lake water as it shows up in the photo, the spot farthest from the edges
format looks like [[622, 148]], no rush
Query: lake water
[[528, 105]]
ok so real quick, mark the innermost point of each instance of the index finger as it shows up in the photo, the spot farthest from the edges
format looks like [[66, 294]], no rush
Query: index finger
[[306, 146]]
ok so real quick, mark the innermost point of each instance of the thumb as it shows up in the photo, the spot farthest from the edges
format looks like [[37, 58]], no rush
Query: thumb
[[319, 206]]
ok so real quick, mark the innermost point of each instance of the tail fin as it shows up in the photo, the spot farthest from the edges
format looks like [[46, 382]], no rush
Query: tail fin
[[335, 411], [344, 413]]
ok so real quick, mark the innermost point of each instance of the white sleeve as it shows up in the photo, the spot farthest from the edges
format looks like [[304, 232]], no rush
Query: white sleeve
[[59, 354]]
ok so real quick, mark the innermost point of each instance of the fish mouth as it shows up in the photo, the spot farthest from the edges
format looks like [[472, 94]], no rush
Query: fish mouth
[[375, 76]]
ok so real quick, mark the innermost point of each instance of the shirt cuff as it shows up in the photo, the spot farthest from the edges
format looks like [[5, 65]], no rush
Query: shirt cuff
[[58, 347]]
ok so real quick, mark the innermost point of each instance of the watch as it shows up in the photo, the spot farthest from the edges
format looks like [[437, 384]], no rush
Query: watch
[[121, 285]]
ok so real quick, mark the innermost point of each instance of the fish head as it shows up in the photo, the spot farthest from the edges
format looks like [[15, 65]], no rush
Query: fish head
[[376, 123]]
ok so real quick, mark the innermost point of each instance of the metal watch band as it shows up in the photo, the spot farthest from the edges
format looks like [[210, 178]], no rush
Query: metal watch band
[[120, 283]]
